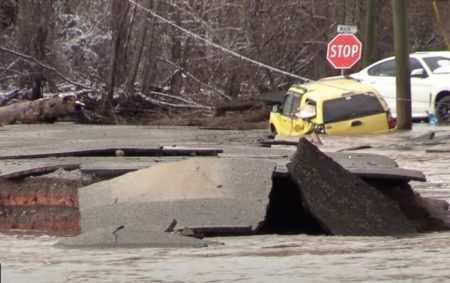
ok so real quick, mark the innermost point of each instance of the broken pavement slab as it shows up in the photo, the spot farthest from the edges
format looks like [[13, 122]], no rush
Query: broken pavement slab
[[200, 192], [38, 170], [368, 166], [362, 160], [134, 237], [389, 174], [341, 202], [195, 192]]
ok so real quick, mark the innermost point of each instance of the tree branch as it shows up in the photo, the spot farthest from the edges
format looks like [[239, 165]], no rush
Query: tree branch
[[166, 104], [179, 68], [190, 102], [13, 71], [50, 68]]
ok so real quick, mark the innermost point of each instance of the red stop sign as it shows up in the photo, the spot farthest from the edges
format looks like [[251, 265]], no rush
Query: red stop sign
[[344, 51]]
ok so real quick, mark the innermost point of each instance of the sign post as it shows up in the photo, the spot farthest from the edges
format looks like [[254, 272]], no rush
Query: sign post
[[344, 51]]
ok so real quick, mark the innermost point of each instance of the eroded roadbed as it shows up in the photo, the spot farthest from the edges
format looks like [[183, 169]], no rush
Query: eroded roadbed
[[237, 188]]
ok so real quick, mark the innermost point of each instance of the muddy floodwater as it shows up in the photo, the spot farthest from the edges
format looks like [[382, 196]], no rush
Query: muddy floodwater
[[267, 258]]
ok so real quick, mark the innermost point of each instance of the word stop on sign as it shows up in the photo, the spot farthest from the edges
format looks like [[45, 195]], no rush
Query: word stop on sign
[[344, 51]]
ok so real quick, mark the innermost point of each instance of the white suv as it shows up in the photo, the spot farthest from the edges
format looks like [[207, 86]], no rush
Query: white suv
[[430, 83]]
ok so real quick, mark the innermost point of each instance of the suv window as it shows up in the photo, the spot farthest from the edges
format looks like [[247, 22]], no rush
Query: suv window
[[351, 107]]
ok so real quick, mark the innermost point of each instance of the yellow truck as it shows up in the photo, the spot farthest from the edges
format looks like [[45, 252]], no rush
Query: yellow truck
[[336, 106]]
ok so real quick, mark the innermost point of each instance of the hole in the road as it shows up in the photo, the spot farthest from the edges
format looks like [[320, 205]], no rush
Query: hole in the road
[[49, 204], [285, 214]]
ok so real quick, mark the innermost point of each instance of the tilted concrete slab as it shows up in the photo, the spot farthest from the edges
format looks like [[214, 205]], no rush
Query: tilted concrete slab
[[342, 203], [389, 174], [370, 166], [196, 192], [362, 160]]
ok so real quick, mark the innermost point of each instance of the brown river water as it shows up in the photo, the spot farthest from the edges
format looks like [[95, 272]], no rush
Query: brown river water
[[268, 258]]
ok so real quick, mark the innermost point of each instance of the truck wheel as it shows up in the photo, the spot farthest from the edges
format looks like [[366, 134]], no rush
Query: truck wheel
[[273, 130], [443, 110]]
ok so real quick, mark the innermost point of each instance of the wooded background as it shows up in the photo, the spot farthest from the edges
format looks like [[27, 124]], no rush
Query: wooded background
[[118, 48]]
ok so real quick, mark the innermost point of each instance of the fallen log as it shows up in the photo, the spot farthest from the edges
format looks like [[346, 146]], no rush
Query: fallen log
[[353, 148], [42, 110], [269, 143], [124, 151]]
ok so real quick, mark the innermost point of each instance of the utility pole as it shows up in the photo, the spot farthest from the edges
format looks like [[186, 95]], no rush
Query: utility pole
[[403, 78], [369, 54], [440, 23]]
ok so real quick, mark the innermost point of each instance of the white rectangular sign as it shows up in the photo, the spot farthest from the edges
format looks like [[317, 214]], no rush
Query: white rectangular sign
[[347, 29]]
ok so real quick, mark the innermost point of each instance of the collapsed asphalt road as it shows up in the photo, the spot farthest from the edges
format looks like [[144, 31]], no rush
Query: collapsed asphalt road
[[316, 196], [243, 191]]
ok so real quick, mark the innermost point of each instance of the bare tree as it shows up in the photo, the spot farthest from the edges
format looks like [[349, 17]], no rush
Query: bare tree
[[36, 25], [196, 52], [141, 36], [8, 13], [119, 14]]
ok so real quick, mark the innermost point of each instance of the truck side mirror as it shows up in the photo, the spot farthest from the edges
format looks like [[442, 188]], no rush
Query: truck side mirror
[[307, 112], [276, 108]]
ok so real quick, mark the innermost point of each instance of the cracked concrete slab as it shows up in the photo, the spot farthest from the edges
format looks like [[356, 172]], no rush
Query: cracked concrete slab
[[196, 192], [343, 203]]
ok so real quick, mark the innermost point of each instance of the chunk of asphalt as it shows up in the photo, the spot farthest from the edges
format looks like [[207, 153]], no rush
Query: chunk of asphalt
[[129, 237], [343, 203], [362, 160], [212, 191]]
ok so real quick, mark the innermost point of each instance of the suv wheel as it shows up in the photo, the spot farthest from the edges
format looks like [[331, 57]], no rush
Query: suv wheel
[[273, 130], [443, 110]]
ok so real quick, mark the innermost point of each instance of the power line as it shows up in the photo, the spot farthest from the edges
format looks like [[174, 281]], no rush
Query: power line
[[224, 49], [243, 58]]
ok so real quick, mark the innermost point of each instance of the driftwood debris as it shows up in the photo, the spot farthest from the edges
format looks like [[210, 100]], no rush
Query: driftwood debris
[[269, 143], [353, 148], [42, 110], [216, 231], [124, 151], [235, 106]]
